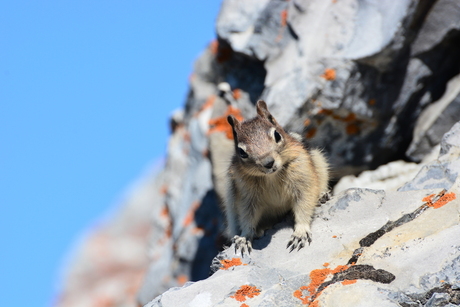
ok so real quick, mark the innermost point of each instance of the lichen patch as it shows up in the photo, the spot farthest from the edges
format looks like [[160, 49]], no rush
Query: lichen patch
[[244, 292], [329, 74], [317, 277], [228, 263], [220, 124], [443, 200]]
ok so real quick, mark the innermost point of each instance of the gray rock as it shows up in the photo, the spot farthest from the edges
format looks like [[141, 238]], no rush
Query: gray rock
[[443, 172], [436, 120], [395, 248], [374, 89], [389, 177], [341, 73], [183, 240], [450, 141], [442, 19]]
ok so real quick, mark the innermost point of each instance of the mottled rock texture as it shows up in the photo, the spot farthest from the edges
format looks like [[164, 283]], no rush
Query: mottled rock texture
[[351, 76], [370, 248], [369, 82]]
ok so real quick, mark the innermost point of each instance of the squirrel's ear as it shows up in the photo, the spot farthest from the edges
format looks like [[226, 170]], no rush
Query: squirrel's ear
[[262, 110], [232, 121]]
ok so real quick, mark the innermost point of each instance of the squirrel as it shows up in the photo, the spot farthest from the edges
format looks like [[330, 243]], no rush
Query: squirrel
[[271, 173]]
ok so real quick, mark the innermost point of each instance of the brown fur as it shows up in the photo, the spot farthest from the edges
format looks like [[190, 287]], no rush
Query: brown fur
[[274, 174]]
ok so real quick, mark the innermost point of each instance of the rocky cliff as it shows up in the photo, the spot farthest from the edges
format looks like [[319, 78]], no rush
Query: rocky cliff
[[370, 248], [368, 81]]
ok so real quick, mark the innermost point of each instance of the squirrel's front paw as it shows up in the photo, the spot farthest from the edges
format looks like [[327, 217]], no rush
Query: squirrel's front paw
[[243, 244], [298, 241], [325, 197]]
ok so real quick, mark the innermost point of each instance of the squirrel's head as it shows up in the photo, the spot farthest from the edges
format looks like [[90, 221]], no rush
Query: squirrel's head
[[258, 142]]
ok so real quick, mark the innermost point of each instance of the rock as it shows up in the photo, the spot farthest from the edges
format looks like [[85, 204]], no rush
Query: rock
[[441, 20], [389, 177], [253, 27], [449, 141], [356, 98], [394, 248], [183, 240], [439, 174], [342, 72], [435, 120]]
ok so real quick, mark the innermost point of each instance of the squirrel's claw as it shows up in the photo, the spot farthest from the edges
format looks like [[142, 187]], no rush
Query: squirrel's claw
[[298, 242], [325, 197], [241, 243]]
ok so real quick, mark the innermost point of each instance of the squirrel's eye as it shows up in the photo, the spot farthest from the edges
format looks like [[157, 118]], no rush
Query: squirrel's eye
[[277, 136], [242, 153]]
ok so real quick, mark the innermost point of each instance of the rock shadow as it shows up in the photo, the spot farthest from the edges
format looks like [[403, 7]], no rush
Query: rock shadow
[[208, 218]]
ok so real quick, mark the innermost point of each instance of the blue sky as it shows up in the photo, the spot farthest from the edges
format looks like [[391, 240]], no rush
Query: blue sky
[[86, 89]]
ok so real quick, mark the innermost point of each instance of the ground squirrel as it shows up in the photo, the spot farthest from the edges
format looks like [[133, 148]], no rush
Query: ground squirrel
[[271, 173]]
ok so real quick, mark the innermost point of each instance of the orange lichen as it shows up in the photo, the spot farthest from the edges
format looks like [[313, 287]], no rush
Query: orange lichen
[[236, 93], [326, 264], [198, 230], [372, 101], [350, 118], [220, 124], [245, 291], [444, 199], [191, 213], [284, 15], [168, 231], [244, 305], [310, 133], [317, 277], [163, 189], [298, 293], [428, 199], [307, 122], [182, 279], [228, 263], [352, 129], [334, 237], [325, 111], [214, 46], [164, 212], [329, 74], [348, 282]]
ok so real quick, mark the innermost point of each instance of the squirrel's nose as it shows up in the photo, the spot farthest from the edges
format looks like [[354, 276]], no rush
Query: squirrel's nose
[[269, 164]]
